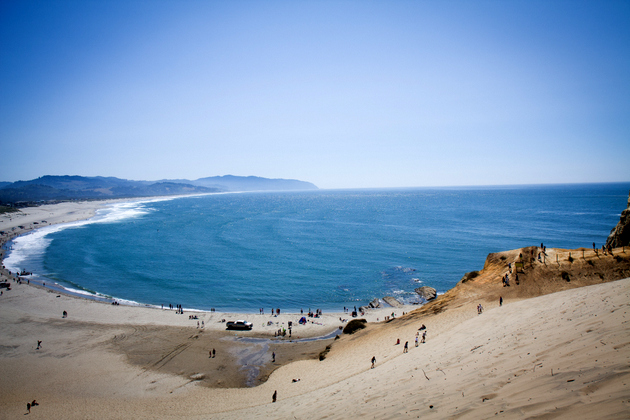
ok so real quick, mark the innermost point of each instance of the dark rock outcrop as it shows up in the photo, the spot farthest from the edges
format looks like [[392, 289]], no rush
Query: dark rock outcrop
[[323, 353], [391, 301], [354, 325], [426, 292], [620, 235]]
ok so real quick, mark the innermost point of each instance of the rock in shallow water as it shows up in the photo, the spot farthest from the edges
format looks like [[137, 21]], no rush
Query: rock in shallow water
[[391, 301], [426, 292]]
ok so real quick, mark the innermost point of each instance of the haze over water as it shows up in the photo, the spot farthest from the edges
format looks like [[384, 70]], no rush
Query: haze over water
[[318, 249]]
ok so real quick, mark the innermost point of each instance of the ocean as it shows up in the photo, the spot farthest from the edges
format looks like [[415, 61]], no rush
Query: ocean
[[321, 249]]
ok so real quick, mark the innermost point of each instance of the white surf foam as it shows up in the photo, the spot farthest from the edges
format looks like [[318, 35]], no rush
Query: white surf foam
[[34, 244]]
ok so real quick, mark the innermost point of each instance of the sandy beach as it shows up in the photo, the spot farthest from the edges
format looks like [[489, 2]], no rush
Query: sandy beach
[[555, 348]]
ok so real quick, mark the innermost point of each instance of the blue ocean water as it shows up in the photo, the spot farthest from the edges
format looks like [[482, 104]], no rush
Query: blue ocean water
[[318, 249]]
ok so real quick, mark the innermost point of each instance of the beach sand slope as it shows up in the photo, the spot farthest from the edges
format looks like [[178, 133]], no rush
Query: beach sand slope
[[562, 355]]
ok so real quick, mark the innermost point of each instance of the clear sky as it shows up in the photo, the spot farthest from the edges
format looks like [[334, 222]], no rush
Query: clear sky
[[339, 93]]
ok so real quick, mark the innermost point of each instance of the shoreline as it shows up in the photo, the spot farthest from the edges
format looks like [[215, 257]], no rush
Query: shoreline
[[148, 365], [246, 367], [28, 222], [77, 211], [71, 212]]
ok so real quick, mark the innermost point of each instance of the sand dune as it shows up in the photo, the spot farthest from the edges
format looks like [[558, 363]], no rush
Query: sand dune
[[563, 355]]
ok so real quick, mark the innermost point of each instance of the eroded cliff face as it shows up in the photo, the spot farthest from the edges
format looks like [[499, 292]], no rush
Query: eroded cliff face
[[620, 235]]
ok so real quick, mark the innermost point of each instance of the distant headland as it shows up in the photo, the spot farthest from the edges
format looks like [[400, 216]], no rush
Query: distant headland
[[50, 188]]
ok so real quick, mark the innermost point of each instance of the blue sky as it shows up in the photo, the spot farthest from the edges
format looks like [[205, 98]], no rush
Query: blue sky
[[343, 94]]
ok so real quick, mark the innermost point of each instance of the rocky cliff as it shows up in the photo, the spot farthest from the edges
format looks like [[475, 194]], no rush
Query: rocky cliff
[[620, 235]]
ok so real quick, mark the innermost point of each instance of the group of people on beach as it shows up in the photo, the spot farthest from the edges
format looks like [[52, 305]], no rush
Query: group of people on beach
[[276, 311], [282, 332], [418, 339], [354, 312], [318, 313], [178, 308]]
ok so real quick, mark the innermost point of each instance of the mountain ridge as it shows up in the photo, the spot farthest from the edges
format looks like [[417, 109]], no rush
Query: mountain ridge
[[76, 187]]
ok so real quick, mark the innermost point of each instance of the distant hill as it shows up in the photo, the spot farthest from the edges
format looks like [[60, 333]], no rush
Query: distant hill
[[77, 183], [51, 188], [54, 188], [253, 183]]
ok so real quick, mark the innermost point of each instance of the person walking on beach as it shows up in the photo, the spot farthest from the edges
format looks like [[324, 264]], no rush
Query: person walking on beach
[[406, 348], [273, 357], [274, 396], [500, 300], [28, 407], [214, 353], [39, 344], [416, 340], [424, 337], [373, 361]]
